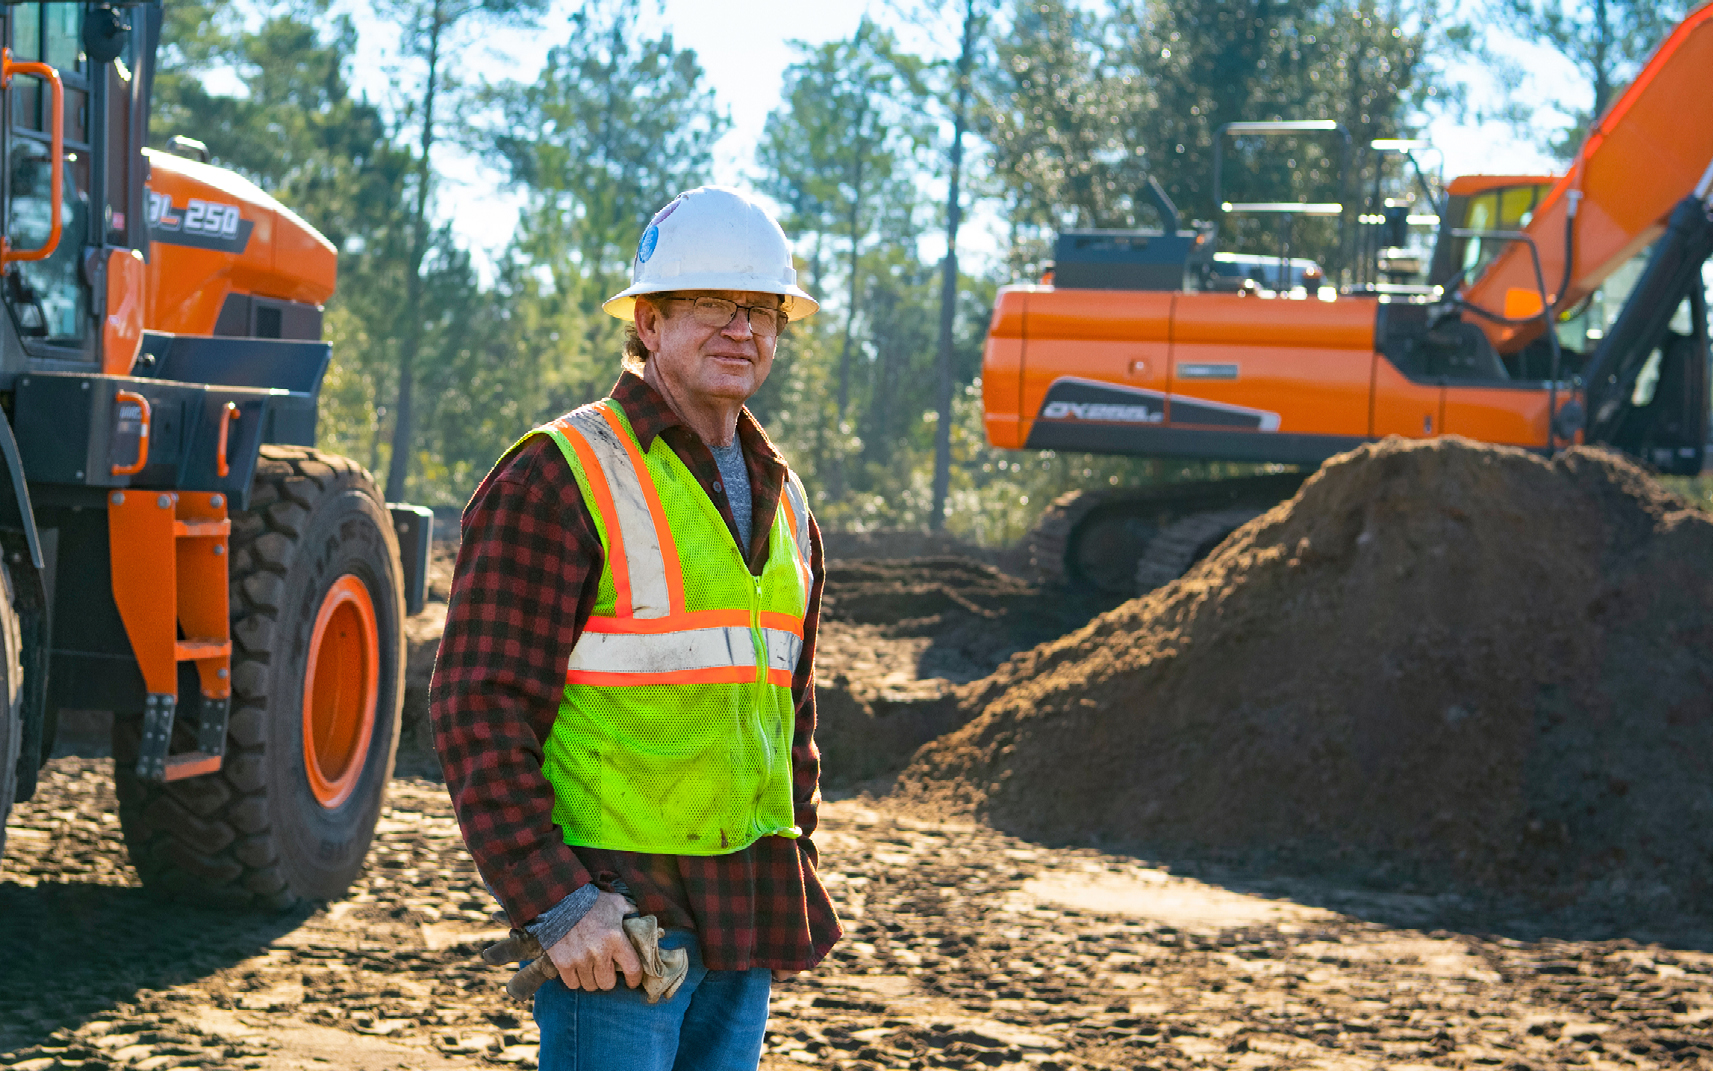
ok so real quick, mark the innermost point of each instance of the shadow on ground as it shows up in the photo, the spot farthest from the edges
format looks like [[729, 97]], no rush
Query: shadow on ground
[[75, 949]]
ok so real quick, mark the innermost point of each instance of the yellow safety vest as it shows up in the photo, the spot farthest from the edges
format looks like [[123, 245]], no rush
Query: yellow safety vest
[[674, 733]]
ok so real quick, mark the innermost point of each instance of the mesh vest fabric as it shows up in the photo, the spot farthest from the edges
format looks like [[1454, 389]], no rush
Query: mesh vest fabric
[[674, 732]]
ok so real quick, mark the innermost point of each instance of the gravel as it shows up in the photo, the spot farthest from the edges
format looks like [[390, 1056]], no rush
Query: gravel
[[967, 948]]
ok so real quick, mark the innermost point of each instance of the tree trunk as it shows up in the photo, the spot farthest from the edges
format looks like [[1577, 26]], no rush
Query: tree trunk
[[1602, 60], [851, 304], [949, 284], [857, 161], [398, 466]]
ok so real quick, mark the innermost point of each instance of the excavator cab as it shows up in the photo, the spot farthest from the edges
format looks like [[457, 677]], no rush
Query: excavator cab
[[1482, 203]]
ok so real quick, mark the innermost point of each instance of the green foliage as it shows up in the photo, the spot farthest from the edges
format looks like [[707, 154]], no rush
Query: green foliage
[[1606, 41], [839, 154], [1054, 117], [1080, 109], [614, 127], [1697, 489]]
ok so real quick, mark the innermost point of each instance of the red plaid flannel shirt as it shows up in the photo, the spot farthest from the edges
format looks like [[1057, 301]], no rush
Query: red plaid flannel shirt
[[524, 587]]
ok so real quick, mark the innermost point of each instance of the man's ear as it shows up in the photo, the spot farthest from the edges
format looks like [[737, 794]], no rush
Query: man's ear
[[647, 317]]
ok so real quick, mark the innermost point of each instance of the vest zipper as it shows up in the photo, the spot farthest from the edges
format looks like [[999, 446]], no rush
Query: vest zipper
[[759, 638]]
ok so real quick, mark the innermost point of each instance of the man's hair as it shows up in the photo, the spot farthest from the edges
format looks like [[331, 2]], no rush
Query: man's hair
[[636, 354]]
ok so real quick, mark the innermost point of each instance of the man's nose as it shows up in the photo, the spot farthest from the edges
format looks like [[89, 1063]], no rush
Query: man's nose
[[738, 326]]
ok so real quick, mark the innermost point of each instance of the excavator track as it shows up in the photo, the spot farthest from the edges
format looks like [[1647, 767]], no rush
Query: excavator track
[[1112, 541], [1183, 543]]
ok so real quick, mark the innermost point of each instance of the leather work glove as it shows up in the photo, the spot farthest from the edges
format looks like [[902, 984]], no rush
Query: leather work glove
[[663, 970]]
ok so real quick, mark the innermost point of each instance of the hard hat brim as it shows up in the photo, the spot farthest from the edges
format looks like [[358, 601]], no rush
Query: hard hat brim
[[622, 304]]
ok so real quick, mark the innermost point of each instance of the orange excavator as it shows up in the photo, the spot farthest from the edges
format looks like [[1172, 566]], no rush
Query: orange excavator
[[176, 551], [1552, 310]]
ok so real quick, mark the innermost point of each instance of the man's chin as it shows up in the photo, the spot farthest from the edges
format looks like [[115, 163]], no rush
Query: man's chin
[[736, 384]]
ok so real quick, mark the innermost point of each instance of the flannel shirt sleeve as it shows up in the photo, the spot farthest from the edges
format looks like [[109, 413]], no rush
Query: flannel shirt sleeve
[[805, 755], [523, 585]]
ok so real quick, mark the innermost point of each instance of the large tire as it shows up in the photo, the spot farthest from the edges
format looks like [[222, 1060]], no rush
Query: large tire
[[11, 700], [316, 587]]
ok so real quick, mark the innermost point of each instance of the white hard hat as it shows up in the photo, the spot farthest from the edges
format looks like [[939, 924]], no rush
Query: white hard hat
[[712, 238]]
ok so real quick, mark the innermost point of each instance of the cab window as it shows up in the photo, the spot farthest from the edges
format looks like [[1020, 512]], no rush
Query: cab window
[[49, 299], [1507, 208]]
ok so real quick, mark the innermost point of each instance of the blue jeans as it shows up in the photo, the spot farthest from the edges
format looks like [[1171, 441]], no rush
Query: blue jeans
[[715, 1022]]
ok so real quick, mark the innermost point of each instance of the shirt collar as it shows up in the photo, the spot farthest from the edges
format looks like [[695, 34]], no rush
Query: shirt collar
[[650, 415]]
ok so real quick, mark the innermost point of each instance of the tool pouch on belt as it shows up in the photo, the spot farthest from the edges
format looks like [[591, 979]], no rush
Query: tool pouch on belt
[[663, 969]]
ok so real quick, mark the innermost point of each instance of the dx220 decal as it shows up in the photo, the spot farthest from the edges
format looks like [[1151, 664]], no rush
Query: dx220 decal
[[1072, 399], [198, 225]]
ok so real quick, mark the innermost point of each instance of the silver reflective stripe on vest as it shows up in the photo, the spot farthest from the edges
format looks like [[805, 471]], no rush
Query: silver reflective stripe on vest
[[800, 514], [643, 558], [783, 649], [665, 652]]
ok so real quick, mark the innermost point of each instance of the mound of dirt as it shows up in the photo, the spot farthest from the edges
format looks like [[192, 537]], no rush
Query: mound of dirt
[[1451, 665], [897, 634], [970, 616]]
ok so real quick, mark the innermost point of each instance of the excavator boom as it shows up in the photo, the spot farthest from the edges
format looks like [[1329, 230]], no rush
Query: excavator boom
[[1653, 146]]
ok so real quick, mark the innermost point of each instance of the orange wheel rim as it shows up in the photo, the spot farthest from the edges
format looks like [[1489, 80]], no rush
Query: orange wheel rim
[[341, 684]]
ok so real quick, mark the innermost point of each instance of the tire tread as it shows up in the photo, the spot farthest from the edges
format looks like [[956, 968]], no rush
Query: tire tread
[[212, 844]]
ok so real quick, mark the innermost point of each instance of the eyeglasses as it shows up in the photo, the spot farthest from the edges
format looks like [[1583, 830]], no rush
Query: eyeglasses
[[718, 312]]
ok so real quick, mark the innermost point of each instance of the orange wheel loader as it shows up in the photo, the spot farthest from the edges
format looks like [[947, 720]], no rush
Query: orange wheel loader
[[176, 550], [1552, 310]]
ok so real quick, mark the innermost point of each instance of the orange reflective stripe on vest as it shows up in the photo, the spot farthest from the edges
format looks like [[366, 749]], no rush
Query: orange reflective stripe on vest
[[642, 542]]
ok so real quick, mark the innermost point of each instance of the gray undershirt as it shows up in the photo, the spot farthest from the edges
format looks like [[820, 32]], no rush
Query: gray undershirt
[[735, 475]]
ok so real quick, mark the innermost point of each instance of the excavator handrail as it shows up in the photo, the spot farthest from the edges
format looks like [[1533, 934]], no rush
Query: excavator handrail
[[144, 416], [1288, 210], [1637, 162], [1545, 316], [1271, 129], [228, 415], [56, 157]]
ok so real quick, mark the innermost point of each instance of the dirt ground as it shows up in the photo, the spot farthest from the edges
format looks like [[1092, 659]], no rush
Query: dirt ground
[[966, 949], [967, 946]]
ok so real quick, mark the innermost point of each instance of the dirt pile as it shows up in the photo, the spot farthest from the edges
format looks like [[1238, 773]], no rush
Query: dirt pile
[[1444, 663], [897, 634]]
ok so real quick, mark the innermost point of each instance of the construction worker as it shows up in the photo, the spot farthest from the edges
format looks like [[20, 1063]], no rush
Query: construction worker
[[622, 701]]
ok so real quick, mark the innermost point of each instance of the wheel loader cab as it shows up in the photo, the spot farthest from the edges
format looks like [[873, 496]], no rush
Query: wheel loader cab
[[50, 301]]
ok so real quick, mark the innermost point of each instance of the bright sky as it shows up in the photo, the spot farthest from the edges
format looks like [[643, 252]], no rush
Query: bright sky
[[743, 47]]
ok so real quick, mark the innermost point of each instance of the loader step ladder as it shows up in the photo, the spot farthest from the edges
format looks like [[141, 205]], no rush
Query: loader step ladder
[[168, 552]]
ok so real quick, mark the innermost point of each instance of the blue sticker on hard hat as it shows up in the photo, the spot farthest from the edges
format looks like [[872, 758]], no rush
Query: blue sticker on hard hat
[[650, 239]]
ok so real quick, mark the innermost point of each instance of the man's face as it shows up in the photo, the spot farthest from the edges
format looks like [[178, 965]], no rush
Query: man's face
[[701, 362]]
